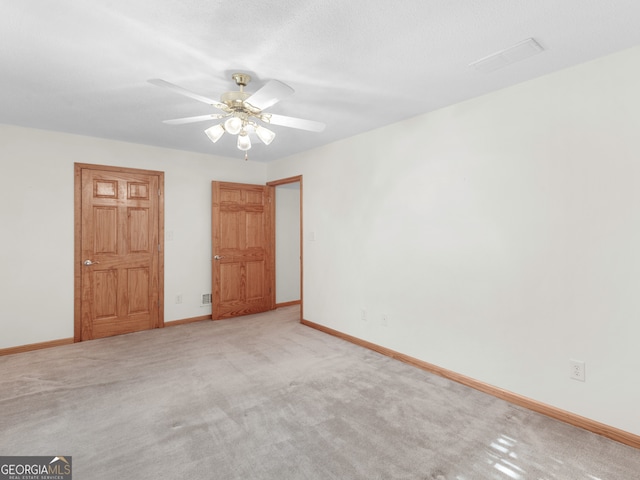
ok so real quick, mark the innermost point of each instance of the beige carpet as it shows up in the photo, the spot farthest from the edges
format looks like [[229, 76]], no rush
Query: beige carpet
[[263, 397]]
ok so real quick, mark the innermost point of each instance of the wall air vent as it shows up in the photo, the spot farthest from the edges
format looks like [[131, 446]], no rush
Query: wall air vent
[[206, 299], [503, 58]]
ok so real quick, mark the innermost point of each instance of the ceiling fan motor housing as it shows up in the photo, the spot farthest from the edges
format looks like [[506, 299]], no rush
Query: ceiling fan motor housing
[[235, 100]]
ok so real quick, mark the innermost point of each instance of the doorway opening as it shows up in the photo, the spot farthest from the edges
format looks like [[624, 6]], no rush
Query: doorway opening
[[288, 242]]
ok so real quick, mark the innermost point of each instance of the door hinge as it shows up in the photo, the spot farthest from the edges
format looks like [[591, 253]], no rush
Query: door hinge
[[158, 247], [158, 192]]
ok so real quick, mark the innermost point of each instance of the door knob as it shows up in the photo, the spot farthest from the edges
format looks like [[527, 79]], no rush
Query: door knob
[[89, 262], [218, 257]]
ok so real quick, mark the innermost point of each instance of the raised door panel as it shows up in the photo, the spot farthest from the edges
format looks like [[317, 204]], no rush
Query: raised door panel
[[105, 298], [232, 283], [255, 283], [103, 188], [230, 195], [254, 228], [138, 299], [230, 230], [254, 198], [138, 190], [139, 230], [105, 227]]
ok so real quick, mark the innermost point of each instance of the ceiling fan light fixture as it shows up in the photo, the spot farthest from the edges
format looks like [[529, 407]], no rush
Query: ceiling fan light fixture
[[233, 125], [215, 133], [240, 110], [265, 134], [244, 143]]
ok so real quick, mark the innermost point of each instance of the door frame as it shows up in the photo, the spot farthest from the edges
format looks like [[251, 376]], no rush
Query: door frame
[[284, 181], [77, 239]]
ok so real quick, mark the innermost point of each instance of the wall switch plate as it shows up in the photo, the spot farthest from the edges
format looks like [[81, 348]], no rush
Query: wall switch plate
[[576, 370]]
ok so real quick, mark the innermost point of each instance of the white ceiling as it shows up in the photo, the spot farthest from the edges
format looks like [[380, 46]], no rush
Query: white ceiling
[[82, 66]]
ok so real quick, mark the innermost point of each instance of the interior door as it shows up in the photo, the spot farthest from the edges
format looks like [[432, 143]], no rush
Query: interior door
[[243, 273], [118, 257]]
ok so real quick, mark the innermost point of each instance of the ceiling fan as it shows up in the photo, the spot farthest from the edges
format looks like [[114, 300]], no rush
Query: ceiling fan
[[243, 112]]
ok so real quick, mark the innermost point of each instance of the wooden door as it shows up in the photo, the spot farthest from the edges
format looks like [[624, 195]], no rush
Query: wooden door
[[243, 274], [118, 259]]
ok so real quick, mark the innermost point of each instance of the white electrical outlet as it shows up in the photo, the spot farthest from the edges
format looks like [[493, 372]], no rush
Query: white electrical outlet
[[363, 315], [179, 298], [576, 370]]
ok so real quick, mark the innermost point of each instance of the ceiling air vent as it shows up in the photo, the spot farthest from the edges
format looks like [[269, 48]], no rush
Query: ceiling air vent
[[503, 58]]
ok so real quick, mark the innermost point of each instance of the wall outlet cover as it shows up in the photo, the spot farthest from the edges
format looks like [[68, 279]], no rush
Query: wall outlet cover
[[576, 370]]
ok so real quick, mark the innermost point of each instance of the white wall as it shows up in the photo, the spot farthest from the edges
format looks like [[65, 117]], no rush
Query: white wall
[[501, 236], [288, 242], [36, 209]]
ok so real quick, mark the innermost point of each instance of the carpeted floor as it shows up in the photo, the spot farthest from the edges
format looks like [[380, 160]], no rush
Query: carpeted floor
[[263, 397]]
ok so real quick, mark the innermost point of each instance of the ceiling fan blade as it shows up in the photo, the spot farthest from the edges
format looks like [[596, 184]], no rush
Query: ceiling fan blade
[[270, 94], [199, 118], [187, 93], [293, 122]]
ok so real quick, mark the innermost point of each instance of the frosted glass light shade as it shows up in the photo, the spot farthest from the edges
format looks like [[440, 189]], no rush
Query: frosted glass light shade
[[233, 125], [244, 143], [265, 134], [214, 133]]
